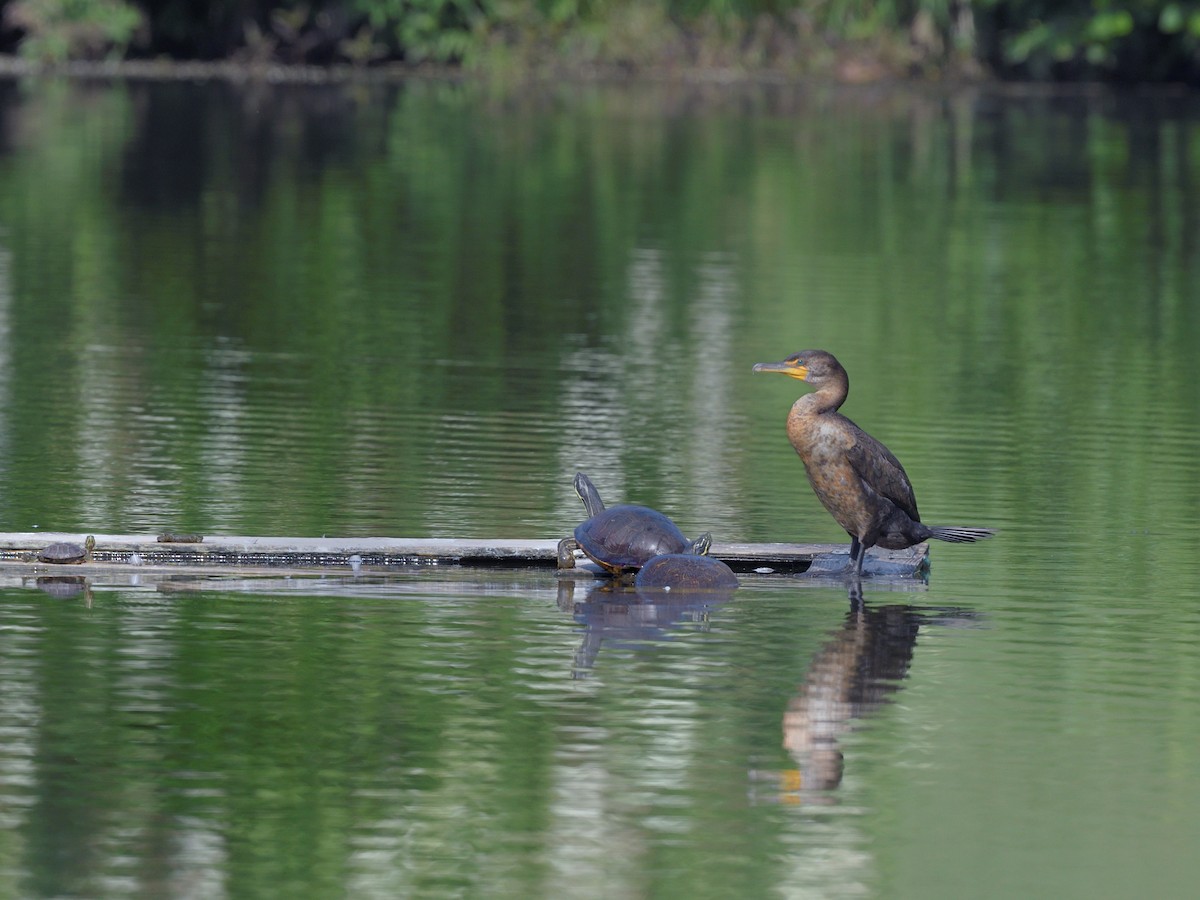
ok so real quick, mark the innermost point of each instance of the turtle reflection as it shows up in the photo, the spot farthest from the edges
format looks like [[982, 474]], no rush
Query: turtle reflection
[[65, 587], [616, 615]]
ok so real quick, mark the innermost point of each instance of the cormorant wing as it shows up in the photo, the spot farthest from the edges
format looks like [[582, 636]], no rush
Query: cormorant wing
[[879, 468]]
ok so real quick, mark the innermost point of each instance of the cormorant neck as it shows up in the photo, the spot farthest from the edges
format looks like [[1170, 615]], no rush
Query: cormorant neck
[[827, 398]]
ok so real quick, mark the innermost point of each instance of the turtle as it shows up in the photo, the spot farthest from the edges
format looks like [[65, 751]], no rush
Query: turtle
[[620, 539], [180, 537], [66, 552], [685, 572]]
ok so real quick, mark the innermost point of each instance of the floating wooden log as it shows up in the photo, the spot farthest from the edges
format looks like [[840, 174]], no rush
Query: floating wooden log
[[324, 554]]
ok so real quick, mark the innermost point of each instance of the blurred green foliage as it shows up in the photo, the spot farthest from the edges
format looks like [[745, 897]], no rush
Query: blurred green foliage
[[58, 30], [1132, 40], [1122, 40]]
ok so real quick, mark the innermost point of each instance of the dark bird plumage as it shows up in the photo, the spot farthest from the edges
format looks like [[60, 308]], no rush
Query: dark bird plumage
[[857, 478]]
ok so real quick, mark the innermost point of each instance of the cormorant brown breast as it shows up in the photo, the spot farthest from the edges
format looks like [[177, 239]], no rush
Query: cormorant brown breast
[[858, 480]]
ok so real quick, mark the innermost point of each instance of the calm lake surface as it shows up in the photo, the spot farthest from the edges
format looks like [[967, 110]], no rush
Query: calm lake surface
[[418, 310]]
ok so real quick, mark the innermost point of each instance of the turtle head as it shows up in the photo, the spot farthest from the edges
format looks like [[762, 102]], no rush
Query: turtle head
[[588, 494]]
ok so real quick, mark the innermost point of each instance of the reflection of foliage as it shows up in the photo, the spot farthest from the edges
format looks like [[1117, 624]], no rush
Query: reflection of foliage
[[339, 258], [56, 30]]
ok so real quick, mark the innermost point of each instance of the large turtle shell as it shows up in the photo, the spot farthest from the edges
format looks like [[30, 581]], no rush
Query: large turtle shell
[[624, 537], [63, 552], [685, 572]]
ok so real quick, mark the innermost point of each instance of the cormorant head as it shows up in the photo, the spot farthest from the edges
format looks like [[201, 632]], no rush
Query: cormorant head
[[811, 366]]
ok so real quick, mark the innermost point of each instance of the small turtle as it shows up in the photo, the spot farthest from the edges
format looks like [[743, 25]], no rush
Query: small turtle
[[621, 538], [66, 552], [685, 572]]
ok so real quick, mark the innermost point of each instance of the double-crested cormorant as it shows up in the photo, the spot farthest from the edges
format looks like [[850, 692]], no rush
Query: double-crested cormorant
[[859, 480]]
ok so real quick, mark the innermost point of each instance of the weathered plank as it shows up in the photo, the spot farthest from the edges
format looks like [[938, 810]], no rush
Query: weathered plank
[[820, 557], [324, 553]]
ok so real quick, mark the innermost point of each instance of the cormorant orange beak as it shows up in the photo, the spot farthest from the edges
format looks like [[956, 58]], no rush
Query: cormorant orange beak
[[792, 367]]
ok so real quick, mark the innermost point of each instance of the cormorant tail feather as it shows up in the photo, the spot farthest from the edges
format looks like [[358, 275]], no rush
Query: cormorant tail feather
[[957, 535]]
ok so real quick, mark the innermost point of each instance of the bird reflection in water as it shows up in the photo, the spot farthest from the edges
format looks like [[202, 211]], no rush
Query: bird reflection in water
[[853, 675], [616, 615]]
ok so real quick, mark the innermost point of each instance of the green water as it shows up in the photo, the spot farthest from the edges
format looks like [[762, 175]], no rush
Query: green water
[[419, 310]]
